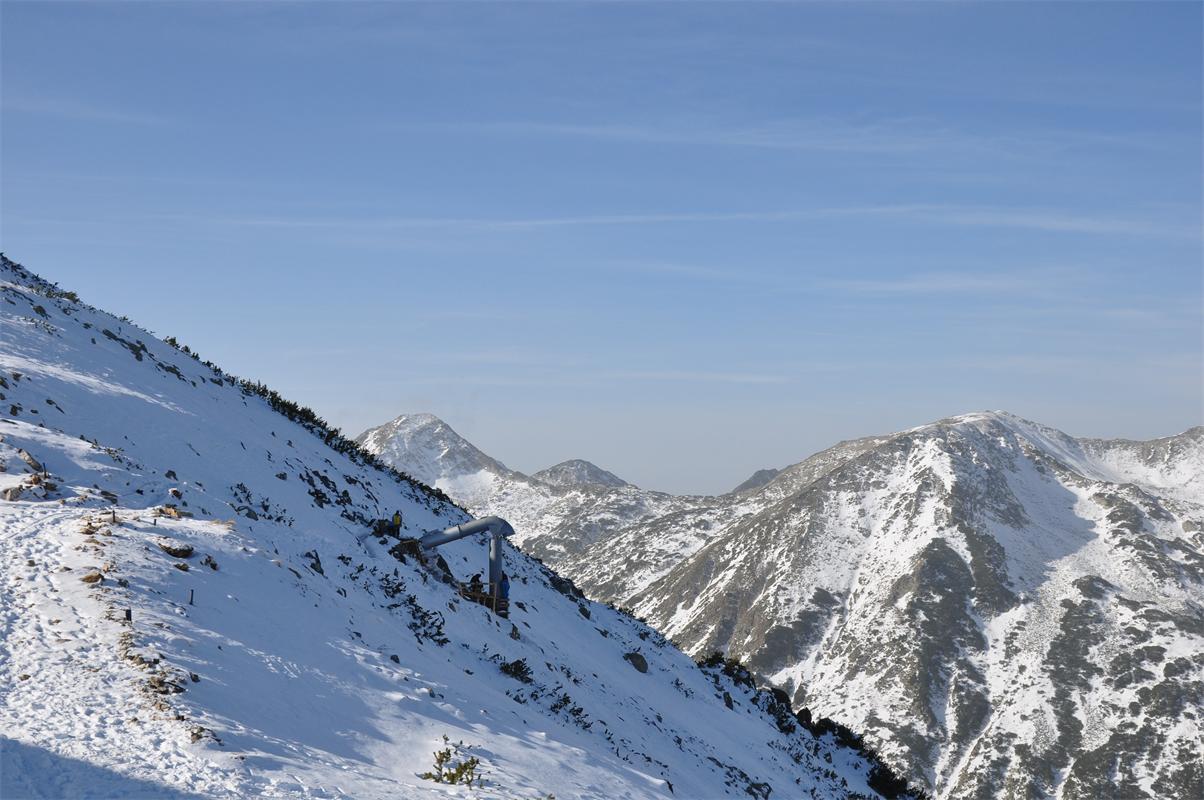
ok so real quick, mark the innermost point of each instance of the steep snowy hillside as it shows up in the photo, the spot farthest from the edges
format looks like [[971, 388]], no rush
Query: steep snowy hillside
[[197, 602], [1046, 595]]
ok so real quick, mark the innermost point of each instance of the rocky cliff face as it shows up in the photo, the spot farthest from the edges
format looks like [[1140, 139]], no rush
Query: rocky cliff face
[[1005, 610]]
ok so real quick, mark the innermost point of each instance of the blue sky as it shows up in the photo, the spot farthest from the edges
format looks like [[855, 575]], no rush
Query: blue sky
[[684, 241]]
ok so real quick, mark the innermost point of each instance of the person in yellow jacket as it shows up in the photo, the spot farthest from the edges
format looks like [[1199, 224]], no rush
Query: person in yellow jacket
[[396, 523]]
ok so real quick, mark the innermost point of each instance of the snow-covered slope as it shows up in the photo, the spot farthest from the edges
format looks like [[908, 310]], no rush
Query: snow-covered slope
[[196, 603], [1004, 610]]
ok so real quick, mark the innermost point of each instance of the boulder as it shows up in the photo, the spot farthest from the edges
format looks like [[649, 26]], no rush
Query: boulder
[[175, 549]]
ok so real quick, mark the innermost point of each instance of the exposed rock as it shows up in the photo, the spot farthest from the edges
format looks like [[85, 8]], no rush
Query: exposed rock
[[175, 549], [161, 685], [33, 463], [636, 660], [315, 563]]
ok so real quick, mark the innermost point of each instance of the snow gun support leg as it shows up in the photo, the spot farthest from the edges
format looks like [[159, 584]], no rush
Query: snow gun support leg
[[497, 528]]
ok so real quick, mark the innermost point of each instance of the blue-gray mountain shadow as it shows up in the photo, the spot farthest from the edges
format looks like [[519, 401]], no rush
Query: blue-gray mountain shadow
[[28, 772]]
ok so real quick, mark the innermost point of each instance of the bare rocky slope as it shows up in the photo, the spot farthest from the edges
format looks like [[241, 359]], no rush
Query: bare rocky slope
[[196, 601], [1004, 610]]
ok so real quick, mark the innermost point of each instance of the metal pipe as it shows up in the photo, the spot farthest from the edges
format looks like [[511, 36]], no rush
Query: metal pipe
[[495, 564], [498, 529], [495, 525]]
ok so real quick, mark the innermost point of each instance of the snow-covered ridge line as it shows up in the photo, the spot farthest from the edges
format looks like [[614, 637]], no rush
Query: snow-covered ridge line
[[279, 642], [302, 415]]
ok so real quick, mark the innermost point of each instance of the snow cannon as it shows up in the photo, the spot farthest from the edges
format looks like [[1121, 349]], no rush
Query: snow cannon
[[498, 529]]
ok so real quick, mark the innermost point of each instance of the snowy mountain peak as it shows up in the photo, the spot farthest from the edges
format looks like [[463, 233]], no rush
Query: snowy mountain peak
[[433, 451], [983, 420], [576, 472]]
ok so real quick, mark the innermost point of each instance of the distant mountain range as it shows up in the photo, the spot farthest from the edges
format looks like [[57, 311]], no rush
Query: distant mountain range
[[1006, 611]]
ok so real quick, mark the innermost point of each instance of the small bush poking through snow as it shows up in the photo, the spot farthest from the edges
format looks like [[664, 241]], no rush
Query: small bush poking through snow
[[448, 771], [517, 669]]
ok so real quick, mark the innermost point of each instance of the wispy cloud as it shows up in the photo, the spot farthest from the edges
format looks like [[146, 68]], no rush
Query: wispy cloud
[[1049, 220], [1042, 220], [827, 137], [687, 271], [564, 379], [692, 376], [81, 110], [899, 136], [514, 223], [1090, 364], [508, 357], [1056, 221], [944, 282], [565, 374]]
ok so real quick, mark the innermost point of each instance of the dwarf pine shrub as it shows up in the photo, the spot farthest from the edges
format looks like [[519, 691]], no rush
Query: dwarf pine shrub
[[517, 669], [447, 770]]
